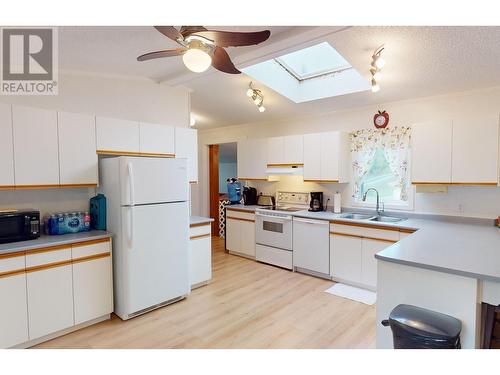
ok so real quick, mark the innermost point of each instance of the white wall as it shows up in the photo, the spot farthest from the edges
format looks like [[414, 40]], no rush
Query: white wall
[[130, 99], [465, 201]]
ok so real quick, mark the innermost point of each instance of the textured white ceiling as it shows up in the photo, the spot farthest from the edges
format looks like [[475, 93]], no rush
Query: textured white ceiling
[[421, 61]]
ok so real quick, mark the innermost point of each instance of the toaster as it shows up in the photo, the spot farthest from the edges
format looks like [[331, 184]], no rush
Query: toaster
[[265, 200]]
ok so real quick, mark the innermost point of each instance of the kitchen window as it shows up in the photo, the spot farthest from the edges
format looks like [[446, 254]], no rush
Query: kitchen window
[[381, 160]]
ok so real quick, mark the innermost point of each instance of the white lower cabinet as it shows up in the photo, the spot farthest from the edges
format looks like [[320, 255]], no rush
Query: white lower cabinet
[[368, 262], [92, 280], [50, 300], [14, 310], [345, 257], [240, 233], [200, 254]]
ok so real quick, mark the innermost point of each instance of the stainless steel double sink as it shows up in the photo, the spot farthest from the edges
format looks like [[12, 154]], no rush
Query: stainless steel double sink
[[379, 218]]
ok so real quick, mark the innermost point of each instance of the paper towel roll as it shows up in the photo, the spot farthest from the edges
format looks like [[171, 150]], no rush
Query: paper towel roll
[[337, 203]]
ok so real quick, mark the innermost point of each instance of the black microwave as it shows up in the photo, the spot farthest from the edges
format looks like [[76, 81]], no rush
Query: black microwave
[[19, 225]]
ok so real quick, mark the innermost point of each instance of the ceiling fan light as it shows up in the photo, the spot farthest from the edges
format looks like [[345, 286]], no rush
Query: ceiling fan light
[[197, 60], [375, 86], [257, 100], [249, 93], [379, 62], [377, 75], [262, 108]]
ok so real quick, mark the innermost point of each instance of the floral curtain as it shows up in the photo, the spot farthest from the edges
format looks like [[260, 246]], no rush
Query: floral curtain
[[396, 145]]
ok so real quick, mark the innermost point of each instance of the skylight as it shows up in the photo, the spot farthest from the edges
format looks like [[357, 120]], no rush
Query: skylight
[[309, 74]]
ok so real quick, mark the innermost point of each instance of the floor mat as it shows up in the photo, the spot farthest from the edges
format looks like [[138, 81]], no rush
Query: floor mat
[[356, 294]]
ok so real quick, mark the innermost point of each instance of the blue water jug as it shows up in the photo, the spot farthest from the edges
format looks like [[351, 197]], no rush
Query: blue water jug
[[98, 212], [234, 191]]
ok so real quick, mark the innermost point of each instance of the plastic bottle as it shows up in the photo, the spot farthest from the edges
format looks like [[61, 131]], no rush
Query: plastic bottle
[[72, 223], [59, 229], [86, 221]]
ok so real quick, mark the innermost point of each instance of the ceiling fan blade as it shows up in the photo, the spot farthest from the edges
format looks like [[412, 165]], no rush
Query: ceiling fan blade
[[221, 61], [234, 39], [170, 32], [159, 54], [188, 30]]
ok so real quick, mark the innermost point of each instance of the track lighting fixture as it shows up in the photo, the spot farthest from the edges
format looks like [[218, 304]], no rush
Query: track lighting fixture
[[377, 64], [256, 96]]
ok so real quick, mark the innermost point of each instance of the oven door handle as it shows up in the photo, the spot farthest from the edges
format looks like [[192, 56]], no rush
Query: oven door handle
[[275, 217]]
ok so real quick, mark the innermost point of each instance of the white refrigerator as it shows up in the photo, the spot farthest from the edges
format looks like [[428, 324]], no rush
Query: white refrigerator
[[148, 214]]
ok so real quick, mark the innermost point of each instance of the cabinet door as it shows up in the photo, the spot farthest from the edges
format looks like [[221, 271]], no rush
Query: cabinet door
[[35, 146], [117, 135], [431, 152], [293, 146], [157, 139], [330, 153], [50, 300], [92, 288], [275, 150], [368, 261], [345, 257], [200, 260], [6, 147], [247, 235], [252, 159], [475, 150], [312, 156], [186, 146], [233, 235], [77, 149]]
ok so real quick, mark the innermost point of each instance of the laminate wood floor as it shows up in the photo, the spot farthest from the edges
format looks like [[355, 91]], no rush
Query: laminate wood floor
[[246, 305]]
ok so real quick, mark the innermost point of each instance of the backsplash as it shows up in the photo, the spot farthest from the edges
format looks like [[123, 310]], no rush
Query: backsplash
[[481, 202]]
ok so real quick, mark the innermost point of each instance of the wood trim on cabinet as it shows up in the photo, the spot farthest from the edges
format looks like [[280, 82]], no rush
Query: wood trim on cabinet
[[134, 153], [7, 187], [91, 257], [48, 266], [323, 181], [285, 165], [240, 219], [200, 236], [31, 187], [200, 225], [67, 186], [363, 225], [13, 254], [362, 237], [12, 273], [48, 249], [252, 179], [455, 183], [91, 242], [404, 230]]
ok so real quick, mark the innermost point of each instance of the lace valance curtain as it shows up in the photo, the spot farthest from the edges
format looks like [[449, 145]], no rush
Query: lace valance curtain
[[396, 145]]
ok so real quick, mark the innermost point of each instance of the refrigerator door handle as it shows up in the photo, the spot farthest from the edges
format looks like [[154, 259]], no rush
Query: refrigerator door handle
[[131, 227], [131, 182]]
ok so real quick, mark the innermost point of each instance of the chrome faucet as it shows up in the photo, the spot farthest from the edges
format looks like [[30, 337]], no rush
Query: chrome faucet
[[379, 212]]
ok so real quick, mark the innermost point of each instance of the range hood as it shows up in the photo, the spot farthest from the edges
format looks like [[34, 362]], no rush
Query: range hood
[[285, 170]]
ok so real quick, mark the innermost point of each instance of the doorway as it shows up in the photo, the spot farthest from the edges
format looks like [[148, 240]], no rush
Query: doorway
[[222, 166]]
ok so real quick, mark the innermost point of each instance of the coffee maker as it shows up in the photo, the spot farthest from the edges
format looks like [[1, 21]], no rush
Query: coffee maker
[[249, 196], [316, 202]]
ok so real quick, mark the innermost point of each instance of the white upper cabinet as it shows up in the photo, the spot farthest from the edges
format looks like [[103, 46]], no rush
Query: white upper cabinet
[[35, 146], [6, 146], [431, 152], [312, 156], [77, 149], [293, 149], [157, 139], [117, 136], [326, 157], [285, 150], [252, 159], [186, 146], [475, 151]]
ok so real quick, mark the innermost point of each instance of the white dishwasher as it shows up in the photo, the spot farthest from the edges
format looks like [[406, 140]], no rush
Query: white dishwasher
[[311, 246]]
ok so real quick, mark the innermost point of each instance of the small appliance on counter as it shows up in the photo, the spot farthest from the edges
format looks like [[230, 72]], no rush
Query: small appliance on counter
[[316, 202], [98, 212], [337, 203], [249, 196], [265, 200], [234, 191], [19, 225], [67, 222]]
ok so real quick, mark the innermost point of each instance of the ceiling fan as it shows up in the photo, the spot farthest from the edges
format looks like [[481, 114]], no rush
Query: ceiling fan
[[202, 48]]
